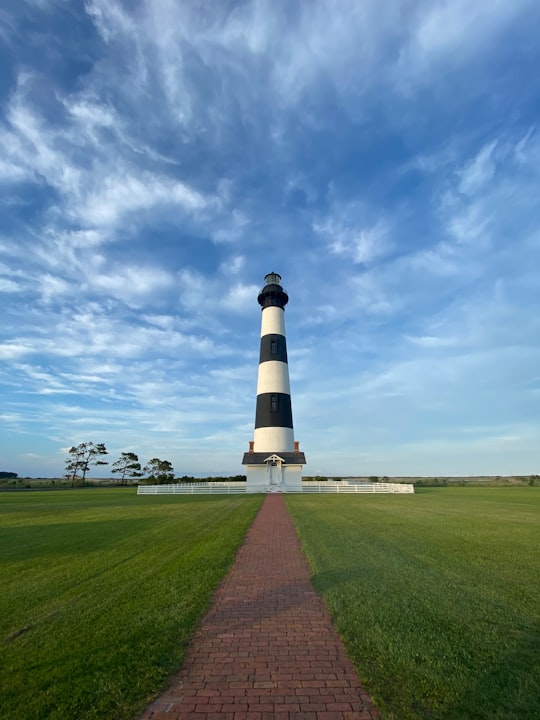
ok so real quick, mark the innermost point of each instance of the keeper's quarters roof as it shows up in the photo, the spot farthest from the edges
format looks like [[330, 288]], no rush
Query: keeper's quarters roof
[[289, 458]]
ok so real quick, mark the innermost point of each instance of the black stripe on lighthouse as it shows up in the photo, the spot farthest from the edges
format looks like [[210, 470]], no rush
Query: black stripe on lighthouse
[[273, 410], [273, 347]]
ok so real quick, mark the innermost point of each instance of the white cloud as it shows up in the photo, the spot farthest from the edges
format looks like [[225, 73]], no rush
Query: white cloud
[[368, 293], [110, 19], [194, 289], [164, 322], [439, 260], [53, 286], [7, 26], [15, 349], [92, 332], [132, 284], [98, 197], [346, 237], [470, 224], [453, 32], [92, 115], [233, 265], [9, 286], [11, 171], [246, 53], [432, 341], [240, 298], [118, 195], [11, 417], [477, 173], [32, 146], [525, 145], [231, 227]]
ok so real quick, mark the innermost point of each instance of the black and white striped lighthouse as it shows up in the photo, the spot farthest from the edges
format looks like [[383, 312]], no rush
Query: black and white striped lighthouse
[[274, 461]]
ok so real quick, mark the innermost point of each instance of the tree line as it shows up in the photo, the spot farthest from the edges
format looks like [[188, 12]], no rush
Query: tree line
[[156, 472], [87, 454]]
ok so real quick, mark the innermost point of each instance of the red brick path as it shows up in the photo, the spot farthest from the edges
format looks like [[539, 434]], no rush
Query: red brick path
[[267, 648]]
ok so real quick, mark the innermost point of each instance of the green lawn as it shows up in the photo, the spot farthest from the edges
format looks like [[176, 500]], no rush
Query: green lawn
[[436, 595], [99, 592]]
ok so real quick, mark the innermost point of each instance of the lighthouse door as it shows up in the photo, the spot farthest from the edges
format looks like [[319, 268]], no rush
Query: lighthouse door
[[275, 473]]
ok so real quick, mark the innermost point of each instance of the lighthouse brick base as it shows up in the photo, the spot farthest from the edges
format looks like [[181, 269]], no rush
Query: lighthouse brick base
[[274, 461]]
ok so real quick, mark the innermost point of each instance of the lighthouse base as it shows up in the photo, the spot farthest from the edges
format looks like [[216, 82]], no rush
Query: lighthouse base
[[272, 473]]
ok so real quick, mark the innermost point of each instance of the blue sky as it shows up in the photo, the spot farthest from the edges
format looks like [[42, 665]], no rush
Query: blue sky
[[158, 158]]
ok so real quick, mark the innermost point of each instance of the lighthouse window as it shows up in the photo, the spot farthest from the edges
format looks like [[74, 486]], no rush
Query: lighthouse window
[[273, 347], [274, 403]]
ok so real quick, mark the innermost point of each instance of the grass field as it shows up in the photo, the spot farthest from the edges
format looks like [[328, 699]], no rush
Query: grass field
[[436, 595], [99, 592]]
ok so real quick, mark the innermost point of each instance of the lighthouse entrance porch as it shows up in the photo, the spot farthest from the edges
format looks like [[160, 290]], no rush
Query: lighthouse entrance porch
[[273, 473]]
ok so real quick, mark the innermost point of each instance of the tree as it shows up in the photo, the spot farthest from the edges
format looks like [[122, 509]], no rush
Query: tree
[[159, 472], [128, 464], [81, 457]]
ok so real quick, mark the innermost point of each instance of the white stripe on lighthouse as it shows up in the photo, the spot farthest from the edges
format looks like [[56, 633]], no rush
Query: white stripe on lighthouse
[[273, 377], [273, 321], [273, 439]]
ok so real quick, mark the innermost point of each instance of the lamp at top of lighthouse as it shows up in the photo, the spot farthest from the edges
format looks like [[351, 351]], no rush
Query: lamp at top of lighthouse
[[273, 293]]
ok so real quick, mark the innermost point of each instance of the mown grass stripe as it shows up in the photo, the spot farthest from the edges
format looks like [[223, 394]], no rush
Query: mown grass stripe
[[436, 595], [101, 590]]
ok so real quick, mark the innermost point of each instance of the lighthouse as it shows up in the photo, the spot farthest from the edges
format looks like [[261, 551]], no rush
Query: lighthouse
[[274, 461]]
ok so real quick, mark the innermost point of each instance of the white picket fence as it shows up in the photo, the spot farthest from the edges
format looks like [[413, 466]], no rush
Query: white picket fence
[[227, 488], [202, 488], [342, 487]]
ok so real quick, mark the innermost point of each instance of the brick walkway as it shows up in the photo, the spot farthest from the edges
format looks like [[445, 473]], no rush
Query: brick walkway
[[267, 648]]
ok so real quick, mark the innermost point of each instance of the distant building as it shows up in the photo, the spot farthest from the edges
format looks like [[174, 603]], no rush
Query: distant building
[[274, 461]]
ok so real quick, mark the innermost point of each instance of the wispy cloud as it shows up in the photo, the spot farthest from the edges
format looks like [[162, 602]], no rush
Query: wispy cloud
[[454, 33], [361, 245], [477, 173]]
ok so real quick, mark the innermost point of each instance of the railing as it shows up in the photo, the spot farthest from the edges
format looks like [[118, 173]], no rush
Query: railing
[[341, 487], [202, 488], [227, 488]]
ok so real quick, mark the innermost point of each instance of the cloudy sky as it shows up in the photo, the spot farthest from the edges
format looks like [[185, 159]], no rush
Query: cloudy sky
[[159, 157]]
